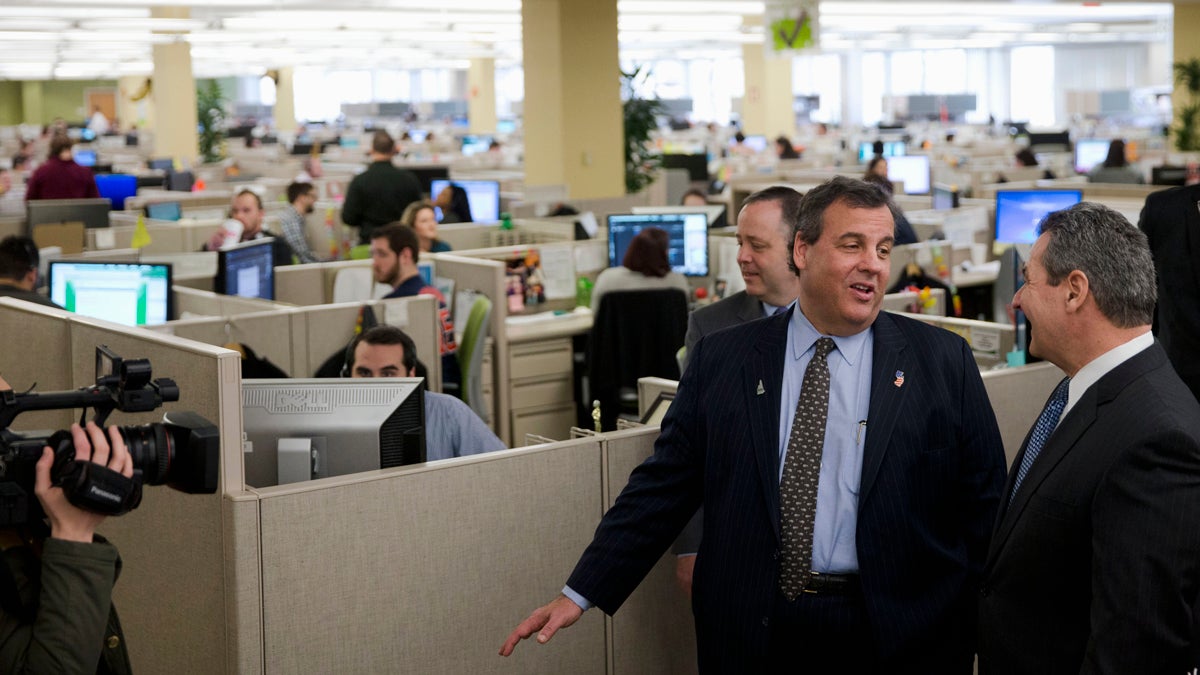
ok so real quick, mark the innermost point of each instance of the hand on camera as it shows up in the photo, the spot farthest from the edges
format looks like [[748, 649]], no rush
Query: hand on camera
[[66, 520]]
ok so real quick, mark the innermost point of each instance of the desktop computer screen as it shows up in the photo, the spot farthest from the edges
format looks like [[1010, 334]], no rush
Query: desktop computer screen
[[913, 170], [165, 211], [1018, 212], [482, 195], [133, 294], [944, 197], [890, 149], [688, 234], [162, 164], [473, 145], [304, 429], [695, 164], [92, 212], [247, 269], [85, 156], [116, 188], [1090, 152]]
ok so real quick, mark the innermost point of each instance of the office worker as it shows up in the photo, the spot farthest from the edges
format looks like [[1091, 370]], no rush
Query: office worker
[[784, 148], [247, 209], [452, 429], [1094, 565], [302, 197], [694, 197], [1115, 168], [876, 569], [877, 166], [59, 177], [1171, 221], [379, 195], [645, 267], [421, 217], [455, 206], [19, 270], [764, 238]]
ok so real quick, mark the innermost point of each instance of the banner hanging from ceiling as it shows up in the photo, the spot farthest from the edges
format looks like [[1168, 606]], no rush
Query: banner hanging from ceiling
[[792, 25]]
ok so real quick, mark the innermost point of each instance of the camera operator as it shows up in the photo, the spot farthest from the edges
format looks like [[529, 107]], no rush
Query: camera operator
[[56, 612]]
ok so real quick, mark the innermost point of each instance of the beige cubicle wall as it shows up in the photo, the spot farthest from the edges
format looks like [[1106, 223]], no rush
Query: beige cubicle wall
[[207, 303]]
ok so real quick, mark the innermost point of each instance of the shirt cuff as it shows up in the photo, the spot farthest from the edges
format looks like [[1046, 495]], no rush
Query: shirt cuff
[[576, 598]]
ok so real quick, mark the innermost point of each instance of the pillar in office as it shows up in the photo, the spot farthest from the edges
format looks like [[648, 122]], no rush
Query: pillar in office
[[135, 102], [174, 91], [1187, 27], [481, 96], [767, 103], [285, 99], [33, 109], [572, 109]]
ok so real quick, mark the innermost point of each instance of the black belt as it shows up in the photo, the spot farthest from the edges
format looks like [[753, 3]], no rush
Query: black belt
[[831, 584]]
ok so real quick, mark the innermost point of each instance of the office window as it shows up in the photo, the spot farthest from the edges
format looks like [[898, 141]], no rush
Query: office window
[[907, 73], [872, 75], [820, 74], [392, 85], [944, 71], [1032, 85], [266, 90]]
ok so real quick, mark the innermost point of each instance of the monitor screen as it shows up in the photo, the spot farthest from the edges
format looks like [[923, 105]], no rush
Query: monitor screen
[[1089, 152], [688, 233], [85, 157], [247, 269], [180, 181], [913, 170], [418, 135], [482, 195], [473, 145], [116, 188], [757, 143], [304, 429], [162, 164], [165, 211], [696, 165], [1168, 175], [91, 212], [133, 294], [944, 197], [866, 150], [1018, 212]]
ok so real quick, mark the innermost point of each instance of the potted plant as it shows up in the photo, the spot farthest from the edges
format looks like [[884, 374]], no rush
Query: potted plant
[[210, 116], [1187, 113], [641, 119]]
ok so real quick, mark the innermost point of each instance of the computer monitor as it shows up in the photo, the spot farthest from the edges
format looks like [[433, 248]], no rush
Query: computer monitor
[[1168, 175], [756, 142], [418, 135], [85, 156], [866, 150], [482, 195], [117, 187], [129, 293], [473, 145], [247, 269], [92, 212], [688, 233], [1018, 212], [1089, 152], [696, 165], [165, 210], [913, 170], [299, 148], [180, 181], [427, 174], [303, 429], [944, 196], [1047, 140], [162, 164]]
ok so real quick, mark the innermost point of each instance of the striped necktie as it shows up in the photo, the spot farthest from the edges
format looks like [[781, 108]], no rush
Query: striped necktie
[[1042, 429]]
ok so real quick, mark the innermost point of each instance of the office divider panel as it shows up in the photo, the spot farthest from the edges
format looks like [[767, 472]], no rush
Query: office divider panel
[[1017, 396]]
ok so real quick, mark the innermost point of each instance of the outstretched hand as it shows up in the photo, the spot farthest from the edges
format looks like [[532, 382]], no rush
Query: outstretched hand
[[545, 621]]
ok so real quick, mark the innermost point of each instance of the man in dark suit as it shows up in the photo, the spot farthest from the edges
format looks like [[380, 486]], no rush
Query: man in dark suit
[[1094, 565], [881, 574], [1171, 221], [764, 236]]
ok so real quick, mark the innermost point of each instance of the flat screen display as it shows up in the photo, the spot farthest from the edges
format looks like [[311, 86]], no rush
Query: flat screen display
[[165, 211], [473, 145], [133, 294], [482, 195], [688, 233], [1018, 212], [85, 157], [756, 143], [866, 150], [247, 270], [913, 170], [1090, 152], [944, 197]]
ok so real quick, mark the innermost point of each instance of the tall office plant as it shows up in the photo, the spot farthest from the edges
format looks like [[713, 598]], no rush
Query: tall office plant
[[641, 119], [1187, 115], [210, 116]]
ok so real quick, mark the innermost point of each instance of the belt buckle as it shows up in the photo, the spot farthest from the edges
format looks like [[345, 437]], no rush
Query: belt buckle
[[808, 585]]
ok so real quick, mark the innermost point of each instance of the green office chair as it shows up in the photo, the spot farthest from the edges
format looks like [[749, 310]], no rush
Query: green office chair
[[360, 252], [470, 356]]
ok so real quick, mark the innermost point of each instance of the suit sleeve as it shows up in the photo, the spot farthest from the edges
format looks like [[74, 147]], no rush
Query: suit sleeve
[[983, 471], [1146, 558]]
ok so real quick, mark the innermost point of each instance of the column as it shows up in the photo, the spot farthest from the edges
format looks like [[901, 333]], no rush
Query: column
[[767, 104], [135, 101], [572, 108], [33, 109], [174, 95], [285, 100], [1187, 27], [481, 96]]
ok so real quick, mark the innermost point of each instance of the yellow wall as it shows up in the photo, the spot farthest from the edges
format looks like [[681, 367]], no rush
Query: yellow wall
[[59, 98], [10, 103]]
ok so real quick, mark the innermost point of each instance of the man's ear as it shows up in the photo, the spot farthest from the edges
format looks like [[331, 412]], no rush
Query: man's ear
[[31, 278], [1078, 289]]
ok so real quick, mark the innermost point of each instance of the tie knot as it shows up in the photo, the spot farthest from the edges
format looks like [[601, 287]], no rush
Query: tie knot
[[824, 346]]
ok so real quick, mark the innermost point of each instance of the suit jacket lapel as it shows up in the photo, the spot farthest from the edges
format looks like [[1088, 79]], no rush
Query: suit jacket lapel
[[763, 372], [888, 357], [749, 309], [1191, 232]]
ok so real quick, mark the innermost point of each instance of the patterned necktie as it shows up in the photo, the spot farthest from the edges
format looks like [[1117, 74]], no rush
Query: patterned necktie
[[802, 472], [1046, 422]]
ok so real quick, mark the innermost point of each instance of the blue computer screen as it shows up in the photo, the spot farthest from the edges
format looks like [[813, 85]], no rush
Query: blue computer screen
[[85, 157], [688, 233], [164, 211], [1018, 212]]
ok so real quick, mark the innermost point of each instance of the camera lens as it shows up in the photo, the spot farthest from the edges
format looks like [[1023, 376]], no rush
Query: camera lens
[[183, 452]]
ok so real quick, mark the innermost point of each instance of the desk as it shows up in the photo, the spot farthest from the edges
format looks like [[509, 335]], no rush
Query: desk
[[542, 366]]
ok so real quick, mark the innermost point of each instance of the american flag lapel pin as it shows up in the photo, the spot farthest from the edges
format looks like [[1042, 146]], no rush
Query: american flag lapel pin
[[899, 378], [761, 390]]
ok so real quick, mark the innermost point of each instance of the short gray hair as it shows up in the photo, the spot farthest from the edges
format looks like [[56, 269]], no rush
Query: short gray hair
[[854, 193], [789, 200], [1115, 256]]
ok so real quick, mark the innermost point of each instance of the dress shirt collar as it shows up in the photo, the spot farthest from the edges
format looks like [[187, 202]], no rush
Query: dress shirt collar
[[1101, 365], [803, 336], [769, 310]]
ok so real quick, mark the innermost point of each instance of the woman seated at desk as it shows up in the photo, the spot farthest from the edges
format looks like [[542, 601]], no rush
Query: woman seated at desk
[[644, 268], [1115, 168], [421, 217]]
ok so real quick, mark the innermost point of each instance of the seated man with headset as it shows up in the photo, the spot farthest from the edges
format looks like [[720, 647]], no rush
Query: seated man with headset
[[452, 429]]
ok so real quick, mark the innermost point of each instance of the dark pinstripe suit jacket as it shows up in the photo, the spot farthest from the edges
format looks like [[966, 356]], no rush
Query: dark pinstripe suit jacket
[[1095, 565], [933, 468], [1171, 221]]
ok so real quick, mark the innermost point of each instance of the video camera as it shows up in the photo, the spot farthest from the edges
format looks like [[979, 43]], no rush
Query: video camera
[[182, 451]]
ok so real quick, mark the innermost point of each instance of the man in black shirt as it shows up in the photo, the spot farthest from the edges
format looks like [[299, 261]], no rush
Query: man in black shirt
[[19, 270], [380, 194]]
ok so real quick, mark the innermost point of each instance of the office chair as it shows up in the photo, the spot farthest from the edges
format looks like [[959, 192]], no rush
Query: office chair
[[470, 356], [635, 334]]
